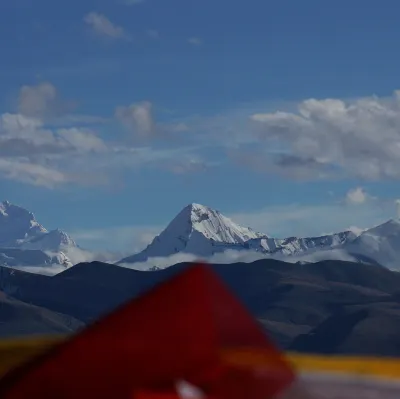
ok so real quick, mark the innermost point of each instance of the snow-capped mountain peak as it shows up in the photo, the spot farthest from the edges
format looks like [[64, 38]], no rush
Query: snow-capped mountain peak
[[203, 231], [212, 224], [54, 240], [23, 239], [380, 243], [389, 228], [17, 224], [198, 230]]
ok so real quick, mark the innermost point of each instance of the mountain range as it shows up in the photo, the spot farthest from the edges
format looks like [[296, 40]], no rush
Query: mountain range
[[198, 231], [306, 297], [205, 232]]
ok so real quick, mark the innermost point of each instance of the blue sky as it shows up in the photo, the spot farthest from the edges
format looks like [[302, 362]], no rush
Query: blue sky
[[282, 114]]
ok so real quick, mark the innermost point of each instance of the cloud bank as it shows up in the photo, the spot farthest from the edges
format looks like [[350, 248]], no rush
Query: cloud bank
[[334, 138], [43, 144], [101, 26], [323, 139], [231, 256]]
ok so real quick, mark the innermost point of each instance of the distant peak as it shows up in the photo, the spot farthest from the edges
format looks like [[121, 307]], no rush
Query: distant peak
[[18, 225], [198, 213], [198, 207], [195, 210], [388, 228], [210, 223], [8, 207], [395, 221]]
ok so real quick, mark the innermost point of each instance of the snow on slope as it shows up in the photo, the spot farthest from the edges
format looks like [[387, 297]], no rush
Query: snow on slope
[[197, 230], [296, 245], [381, 243], [213, 225], [204, 232], [54, 240], [17, 225], [25, 242], [15, 257]]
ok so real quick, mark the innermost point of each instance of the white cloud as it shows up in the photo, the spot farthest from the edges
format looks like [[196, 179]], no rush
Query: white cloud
[[16, 123], [139, 121], [231, 256], [357, 196], [41, 146], [37, 101], [103, 27], [227, 257], [332, 137], [33, 154], [138, 118], [79, 255], [82, 140], [195, 41], [223, 257], [318, 256], [42, 101], [76, 255], [27, 172], [23, 136]]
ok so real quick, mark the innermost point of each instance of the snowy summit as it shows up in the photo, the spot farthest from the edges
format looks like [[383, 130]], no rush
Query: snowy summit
[[198, 230], [203, 232], [24, 241], [212, 224], [20, 229]]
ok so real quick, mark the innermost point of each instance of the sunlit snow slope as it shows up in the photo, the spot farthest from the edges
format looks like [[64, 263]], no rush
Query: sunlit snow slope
[[381, 243], [25, 242], [197, 230], [202, 231]]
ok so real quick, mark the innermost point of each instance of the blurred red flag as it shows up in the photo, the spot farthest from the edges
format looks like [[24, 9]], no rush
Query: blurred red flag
[[189, 328], [155, 395]]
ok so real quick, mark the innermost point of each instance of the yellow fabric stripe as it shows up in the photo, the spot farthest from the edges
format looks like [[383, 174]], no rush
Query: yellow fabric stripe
[[22, 343], [16, 351], [376, 366]]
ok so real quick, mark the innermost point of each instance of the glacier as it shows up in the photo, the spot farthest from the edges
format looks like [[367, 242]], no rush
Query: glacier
[[204, 232], [25, 242]]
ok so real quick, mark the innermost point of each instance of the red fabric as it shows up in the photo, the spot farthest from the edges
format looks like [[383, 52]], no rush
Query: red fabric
[[155, 395], [174, 332]]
